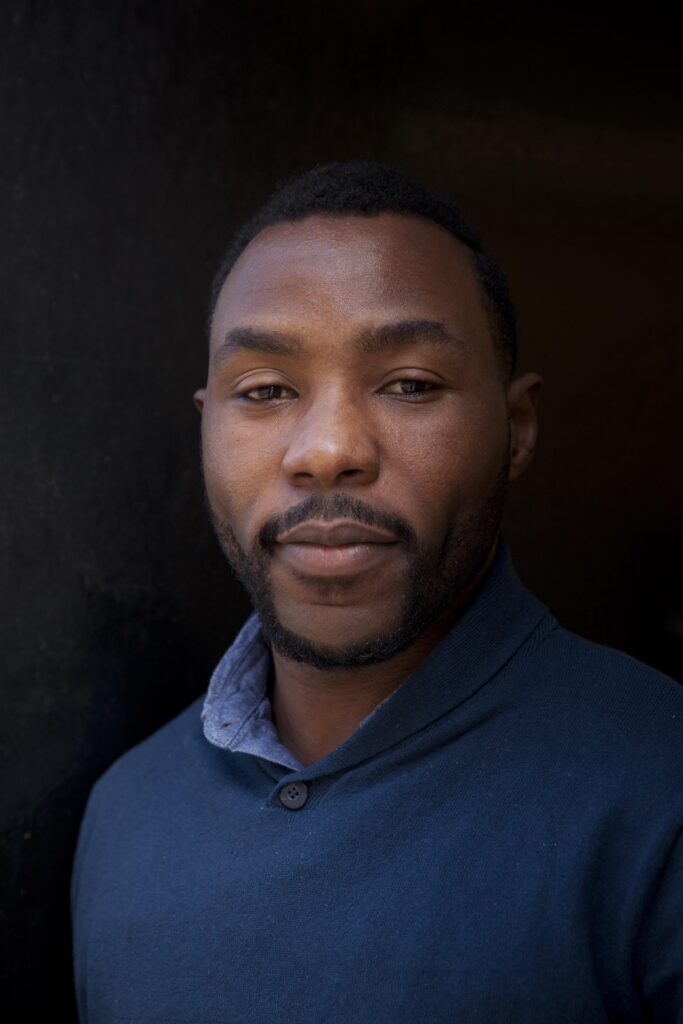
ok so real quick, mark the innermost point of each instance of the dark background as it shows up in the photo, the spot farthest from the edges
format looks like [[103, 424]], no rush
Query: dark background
[[134, 138]]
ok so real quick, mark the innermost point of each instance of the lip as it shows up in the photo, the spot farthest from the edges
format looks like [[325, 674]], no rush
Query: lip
[[337, 533], [338, 548]]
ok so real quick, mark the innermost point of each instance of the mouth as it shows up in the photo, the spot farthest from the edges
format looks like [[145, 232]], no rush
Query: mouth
[[336, 533], [337, 548]]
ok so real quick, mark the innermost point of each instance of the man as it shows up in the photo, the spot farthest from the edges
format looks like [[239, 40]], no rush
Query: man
[[410, 795]]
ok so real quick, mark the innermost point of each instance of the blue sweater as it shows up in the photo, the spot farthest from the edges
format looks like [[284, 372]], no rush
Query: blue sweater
[[499, 842]]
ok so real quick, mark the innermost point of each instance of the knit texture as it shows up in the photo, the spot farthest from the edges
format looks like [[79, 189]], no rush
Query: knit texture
[[499, 842]]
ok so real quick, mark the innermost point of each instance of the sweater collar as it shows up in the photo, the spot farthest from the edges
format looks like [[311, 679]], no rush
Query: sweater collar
[[492, 627], [495, 623]]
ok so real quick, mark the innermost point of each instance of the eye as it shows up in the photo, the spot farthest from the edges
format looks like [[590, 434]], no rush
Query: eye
[[266, 393], [411, 387]]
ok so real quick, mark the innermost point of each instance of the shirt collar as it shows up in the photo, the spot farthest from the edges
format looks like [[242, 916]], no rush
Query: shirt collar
[[237, 714]]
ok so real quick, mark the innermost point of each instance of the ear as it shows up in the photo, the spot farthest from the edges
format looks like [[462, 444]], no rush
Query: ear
[[523, 405], [199, 398]]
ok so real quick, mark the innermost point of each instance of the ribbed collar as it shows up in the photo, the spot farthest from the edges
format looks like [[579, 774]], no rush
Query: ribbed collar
[[500, 617]]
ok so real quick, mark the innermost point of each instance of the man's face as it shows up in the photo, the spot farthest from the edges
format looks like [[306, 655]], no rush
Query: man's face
[[355, 432]]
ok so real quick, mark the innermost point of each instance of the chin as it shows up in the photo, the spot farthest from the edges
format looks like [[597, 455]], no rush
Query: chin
[[339, 646], [339, 626]]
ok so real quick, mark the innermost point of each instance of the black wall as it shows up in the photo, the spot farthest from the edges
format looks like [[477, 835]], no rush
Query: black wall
[[134, 138]]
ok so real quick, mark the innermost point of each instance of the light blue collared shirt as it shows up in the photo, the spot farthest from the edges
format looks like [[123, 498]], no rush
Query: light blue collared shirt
[[237, 714]]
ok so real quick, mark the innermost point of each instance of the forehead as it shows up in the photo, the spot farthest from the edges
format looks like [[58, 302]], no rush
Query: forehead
[[355, 271]]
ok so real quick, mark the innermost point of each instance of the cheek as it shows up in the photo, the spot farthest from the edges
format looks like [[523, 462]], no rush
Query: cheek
[[236, 465], [451, 463]]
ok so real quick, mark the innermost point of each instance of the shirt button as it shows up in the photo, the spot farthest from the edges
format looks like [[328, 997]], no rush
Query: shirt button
[[294, 795]]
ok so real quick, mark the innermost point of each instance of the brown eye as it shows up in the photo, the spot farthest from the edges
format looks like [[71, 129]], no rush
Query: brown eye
[[265, 393], [410, 387]]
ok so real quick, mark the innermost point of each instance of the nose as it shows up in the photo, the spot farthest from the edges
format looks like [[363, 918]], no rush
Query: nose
[[332, 445]]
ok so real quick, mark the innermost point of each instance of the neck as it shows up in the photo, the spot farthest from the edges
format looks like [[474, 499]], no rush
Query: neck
[[316, 710]]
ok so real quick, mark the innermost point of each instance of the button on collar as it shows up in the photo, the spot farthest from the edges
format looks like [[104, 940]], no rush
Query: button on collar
[[294, 795]]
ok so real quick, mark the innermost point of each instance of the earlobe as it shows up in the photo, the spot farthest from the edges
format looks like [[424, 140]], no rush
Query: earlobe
[[523, 410], [199, 397]]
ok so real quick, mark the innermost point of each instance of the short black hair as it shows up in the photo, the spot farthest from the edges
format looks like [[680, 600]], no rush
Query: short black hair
[[365, 188]]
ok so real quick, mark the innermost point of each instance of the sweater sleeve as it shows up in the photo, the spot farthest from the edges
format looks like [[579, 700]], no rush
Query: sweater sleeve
[[660, 952]]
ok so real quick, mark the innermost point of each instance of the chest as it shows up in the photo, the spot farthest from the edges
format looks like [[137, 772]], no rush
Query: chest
[[371, 903]]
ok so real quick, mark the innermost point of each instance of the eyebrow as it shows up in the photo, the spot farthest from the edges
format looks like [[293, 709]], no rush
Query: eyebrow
[[252, 339], [407, 332], [370, 340]]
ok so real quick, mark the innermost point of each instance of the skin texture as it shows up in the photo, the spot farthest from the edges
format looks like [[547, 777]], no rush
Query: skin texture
[[319, 408]]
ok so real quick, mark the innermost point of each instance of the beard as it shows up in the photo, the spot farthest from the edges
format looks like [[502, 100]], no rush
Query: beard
[[436, 575]]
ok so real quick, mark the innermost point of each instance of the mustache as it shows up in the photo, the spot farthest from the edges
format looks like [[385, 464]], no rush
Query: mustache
[[334, 506]]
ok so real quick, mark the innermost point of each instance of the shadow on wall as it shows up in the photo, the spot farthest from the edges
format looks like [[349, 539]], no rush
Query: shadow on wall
[[654, 613], [136, 652]]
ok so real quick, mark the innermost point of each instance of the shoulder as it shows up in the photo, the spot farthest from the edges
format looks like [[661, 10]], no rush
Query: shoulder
[[616, 722], [160, 761], [140, 790], [604, 676]]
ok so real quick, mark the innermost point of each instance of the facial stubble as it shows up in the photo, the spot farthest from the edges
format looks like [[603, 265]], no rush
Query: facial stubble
[[435, 576]]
